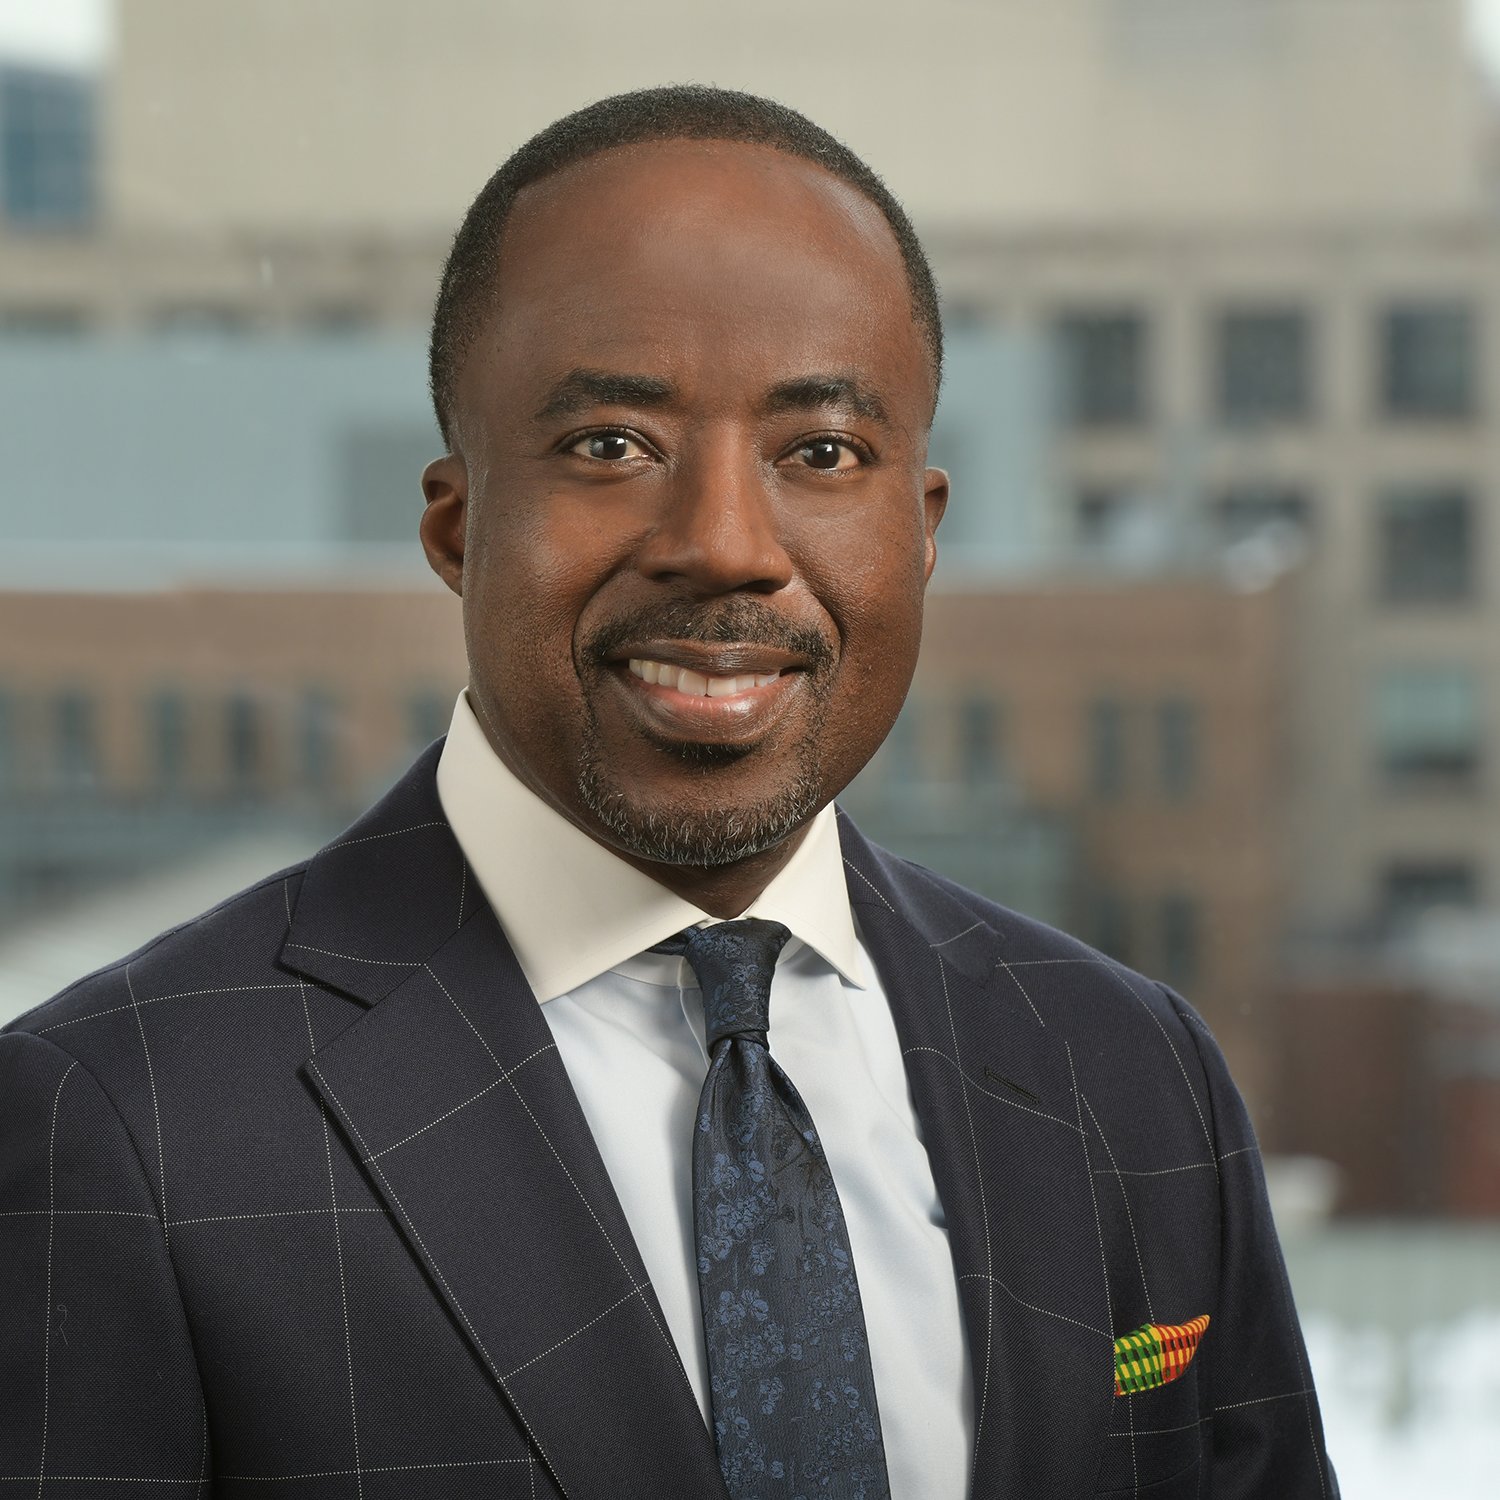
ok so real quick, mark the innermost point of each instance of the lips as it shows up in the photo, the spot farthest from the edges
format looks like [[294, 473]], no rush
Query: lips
[[691, 692]]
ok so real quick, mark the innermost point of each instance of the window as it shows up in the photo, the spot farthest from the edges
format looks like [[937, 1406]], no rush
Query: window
[[317, 728], [1134, 529], [1263, 366], [1102, 368], [47, 149], [979, 741], [244, 744], [1409, 889], [1104, 518], [76, 744], [1427, 726], [1106, 748], [1180, 939], [168, 731], [1177, 747], [1428, 360], [1245, 510], [1426, 541]]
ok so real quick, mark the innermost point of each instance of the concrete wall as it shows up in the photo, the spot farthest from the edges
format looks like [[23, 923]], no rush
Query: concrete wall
[[383, 117]]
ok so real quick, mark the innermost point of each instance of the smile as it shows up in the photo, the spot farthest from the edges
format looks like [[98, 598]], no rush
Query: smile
[[723, 693], [698, 684]]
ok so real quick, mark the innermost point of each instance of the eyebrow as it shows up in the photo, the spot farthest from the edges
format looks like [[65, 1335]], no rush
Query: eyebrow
[[581, 389], [808, 392]]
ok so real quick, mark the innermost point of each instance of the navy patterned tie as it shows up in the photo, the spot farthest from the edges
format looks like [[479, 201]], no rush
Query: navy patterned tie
[[789, 1367]]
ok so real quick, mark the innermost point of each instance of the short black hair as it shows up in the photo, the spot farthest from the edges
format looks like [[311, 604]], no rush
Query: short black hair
[[687, 111]]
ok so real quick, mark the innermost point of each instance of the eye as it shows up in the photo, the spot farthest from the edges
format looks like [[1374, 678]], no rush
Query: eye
[[829, 454], [608, 447]]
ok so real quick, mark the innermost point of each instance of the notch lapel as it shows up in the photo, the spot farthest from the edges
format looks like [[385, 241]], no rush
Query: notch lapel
[[451, 1094], [999, 1113]]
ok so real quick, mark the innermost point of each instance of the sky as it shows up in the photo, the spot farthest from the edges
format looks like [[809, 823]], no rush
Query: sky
[[66, 33], [1484, 18]]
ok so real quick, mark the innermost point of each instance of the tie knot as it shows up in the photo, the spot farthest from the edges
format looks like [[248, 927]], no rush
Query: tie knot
[[734, 962]]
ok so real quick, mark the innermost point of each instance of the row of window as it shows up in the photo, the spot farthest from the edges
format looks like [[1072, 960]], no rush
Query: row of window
[[1265, 364], [234, 743], [1171, 751], [1154, 748], [1425, 535], [1426, 727], [1165, 934]]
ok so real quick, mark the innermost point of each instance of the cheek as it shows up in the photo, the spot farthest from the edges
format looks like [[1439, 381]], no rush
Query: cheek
[[874, 591], [526, 584], [877, 573]]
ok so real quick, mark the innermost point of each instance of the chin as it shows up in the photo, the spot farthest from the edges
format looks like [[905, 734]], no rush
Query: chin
[[700, 838]]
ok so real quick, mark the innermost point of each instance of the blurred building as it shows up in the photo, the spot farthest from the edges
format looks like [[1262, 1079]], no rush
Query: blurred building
[[138, 729], [1333, 394], [1397, 1084], [306, 160], [1148, 721], [1199, 301]]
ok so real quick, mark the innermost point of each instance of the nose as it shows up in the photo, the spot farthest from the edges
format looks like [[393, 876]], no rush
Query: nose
[[718, 528]]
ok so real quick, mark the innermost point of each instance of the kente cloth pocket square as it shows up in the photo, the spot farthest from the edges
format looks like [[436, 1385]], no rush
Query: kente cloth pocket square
[[1155, 1354]]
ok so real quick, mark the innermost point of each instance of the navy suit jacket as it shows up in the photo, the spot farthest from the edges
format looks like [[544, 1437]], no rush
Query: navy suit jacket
[[298, 1200]]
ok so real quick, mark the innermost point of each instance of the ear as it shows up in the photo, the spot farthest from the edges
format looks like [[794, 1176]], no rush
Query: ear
[[445, 483], [934, 503]]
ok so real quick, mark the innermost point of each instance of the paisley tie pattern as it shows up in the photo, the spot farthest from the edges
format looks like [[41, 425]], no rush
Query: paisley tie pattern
[[792, 1391]]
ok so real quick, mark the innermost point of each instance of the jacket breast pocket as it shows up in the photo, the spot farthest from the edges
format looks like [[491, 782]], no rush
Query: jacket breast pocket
[[1155, 1444]]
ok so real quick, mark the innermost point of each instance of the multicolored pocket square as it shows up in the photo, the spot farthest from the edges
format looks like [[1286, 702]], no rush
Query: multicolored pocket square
[[1155, 1354]]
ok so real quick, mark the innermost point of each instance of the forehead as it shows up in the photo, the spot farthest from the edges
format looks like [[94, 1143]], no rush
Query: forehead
[[700, 258]]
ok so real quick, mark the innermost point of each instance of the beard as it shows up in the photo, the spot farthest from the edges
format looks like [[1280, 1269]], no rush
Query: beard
[[710, 838], [703, 840]]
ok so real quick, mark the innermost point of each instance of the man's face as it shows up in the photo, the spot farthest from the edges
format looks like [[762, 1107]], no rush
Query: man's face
[[688, 511]]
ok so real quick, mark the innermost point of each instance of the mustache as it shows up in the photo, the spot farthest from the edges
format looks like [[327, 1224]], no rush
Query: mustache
[[738, 621]]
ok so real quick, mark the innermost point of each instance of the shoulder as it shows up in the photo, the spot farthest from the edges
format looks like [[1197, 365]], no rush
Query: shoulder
[[1076, 981], [242, 932], [234, 946]]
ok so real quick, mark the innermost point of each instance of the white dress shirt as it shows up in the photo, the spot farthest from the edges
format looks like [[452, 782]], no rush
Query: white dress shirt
[[629, 1029]]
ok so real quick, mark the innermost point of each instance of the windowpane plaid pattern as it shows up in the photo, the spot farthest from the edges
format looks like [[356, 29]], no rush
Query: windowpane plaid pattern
[[299, 1198]]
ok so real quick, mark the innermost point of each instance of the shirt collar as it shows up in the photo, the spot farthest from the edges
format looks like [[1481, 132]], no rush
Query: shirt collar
[[573, 910]]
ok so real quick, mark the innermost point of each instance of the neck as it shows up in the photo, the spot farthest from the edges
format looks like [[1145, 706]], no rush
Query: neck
[[723, 891]]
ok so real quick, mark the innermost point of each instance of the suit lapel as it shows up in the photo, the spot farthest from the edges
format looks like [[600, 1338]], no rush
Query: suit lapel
[[995, 1099], [451, 1093]]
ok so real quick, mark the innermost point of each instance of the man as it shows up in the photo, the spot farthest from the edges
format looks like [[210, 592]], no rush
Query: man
[[456, 1162]]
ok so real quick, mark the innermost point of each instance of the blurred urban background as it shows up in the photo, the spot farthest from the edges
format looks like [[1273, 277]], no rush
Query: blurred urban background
[[1212, 673]]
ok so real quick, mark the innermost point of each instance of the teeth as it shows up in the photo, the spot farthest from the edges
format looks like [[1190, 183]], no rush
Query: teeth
[[697, 684]]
